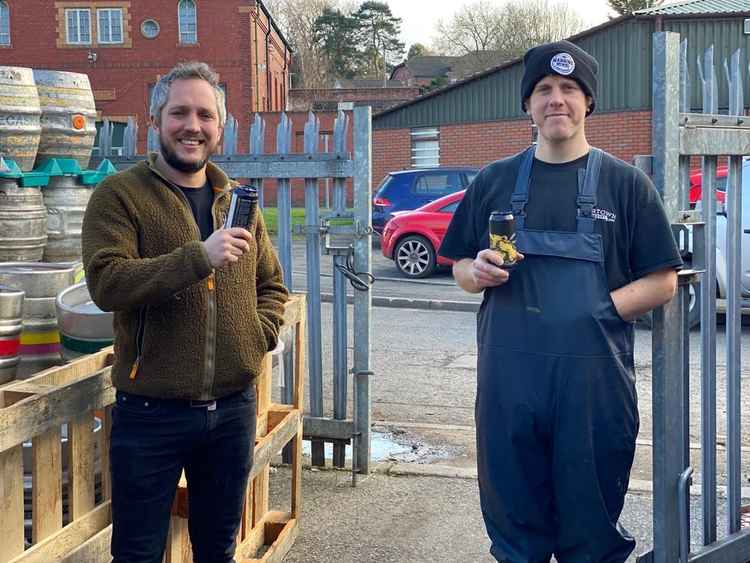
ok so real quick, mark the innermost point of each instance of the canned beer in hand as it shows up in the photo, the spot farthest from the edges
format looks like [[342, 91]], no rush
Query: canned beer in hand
[[242, 207], [503, 236]]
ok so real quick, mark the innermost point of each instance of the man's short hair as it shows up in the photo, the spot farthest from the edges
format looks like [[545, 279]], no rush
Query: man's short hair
[[187, 71]]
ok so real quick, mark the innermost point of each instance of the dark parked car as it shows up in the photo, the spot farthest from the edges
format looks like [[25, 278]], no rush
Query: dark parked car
[[408, 189]]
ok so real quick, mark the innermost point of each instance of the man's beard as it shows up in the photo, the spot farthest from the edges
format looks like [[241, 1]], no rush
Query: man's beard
[[171, 158]]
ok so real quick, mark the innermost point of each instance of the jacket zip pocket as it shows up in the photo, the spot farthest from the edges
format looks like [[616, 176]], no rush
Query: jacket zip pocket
[[210, 345], [140, 335]]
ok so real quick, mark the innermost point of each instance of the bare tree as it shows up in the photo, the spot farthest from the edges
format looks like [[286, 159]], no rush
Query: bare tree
[[508, 30], [296, 18], [473, 28]]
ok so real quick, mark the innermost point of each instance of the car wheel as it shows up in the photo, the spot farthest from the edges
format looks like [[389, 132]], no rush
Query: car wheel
[[414, 257], [694, 311]]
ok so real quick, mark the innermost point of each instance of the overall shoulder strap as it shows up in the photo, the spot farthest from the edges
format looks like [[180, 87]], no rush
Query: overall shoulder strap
[[588, 181], [520, 196]]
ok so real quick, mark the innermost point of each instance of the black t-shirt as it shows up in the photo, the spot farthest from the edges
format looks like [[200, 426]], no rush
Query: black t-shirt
[[201, 200], [636, 234]]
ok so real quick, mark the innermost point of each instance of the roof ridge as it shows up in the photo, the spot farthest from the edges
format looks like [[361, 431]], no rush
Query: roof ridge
[[669, 5]]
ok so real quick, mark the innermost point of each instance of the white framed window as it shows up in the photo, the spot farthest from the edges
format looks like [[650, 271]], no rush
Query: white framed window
[[425, 147], [4, 23], [109, 25], [78, 26], [188, 21]]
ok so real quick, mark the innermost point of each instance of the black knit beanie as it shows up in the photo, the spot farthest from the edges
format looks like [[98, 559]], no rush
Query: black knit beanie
[[564, 59]]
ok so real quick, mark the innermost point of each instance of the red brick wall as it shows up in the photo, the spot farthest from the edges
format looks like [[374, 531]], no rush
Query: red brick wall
[[303, 99], [624, 134], [391, 150], [231, 38]]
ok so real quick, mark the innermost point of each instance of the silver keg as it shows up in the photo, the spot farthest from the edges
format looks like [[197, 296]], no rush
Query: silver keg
[[66, 200], [23, 223], [20, 113], [11, 323], [40, 336], [68, 116], [84, 327]]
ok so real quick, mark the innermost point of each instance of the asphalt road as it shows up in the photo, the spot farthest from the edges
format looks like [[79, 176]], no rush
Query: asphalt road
[[424, 360], [424, 384], [389, 283]]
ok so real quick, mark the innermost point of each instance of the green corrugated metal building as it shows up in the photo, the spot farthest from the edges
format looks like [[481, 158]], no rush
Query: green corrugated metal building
[[623, 48]]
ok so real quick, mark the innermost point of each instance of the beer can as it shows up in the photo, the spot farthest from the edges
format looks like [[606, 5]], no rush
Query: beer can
[[503, 236], [242, 207]]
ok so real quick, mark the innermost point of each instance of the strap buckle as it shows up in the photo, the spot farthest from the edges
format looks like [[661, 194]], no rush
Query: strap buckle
[[518, 203], [585, 205]]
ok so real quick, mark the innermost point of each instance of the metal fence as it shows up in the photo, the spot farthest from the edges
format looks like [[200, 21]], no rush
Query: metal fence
[[346, 235], [679, 136]]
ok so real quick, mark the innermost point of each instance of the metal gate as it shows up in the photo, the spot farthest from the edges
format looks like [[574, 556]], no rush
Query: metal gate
[[346, 235], [678, 136]]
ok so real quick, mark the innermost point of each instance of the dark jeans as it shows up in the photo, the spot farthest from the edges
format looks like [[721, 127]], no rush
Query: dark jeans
[[153, 440]]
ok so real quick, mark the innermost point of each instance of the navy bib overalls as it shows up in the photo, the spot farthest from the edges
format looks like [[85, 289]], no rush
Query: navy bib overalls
[[556, 407]]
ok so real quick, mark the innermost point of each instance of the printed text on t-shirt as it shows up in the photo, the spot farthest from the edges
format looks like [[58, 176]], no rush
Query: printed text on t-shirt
[[603, 215]]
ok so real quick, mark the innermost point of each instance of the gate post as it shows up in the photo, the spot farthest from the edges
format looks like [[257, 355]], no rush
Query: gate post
[[362, 299], [667, 378]]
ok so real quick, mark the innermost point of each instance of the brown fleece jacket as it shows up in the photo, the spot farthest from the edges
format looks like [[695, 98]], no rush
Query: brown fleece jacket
[[144, 260]]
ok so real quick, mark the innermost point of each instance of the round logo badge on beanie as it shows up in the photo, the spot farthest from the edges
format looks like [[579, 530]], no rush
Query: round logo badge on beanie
[[563, 63]]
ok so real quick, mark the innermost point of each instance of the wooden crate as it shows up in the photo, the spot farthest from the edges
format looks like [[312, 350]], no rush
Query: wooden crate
[[34, 409], [270, 532]]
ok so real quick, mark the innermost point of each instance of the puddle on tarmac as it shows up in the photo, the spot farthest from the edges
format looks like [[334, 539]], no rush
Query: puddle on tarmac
[[385, 446]]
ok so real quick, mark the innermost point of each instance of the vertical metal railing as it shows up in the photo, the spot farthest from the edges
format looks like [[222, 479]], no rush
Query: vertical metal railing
[[708, 311], [679, 135], [312, 237], [340, 332], [733, 206]]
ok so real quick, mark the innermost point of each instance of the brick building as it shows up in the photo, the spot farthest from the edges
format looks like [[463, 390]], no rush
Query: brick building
[[126, 45], [479, 119], [331, 99]]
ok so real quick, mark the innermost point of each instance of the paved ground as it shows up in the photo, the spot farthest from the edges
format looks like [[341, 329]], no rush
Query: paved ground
[[413, 519], [422, 404]]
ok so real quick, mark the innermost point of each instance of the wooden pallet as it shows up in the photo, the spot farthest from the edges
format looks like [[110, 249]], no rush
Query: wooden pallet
[[34, 409]]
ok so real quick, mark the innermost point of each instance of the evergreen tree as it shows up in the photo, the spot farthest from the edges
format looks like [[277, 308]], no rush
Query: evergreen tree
[[378, 35], [335, 33]]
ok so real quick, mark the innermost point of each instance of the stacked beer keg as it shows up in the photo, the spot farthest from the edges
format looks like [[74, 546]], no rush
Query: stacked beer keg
[[46, 140]]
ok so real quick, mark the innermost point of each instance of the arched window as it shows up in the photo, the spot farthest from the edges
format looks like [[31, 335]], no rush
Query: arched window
[[4, 23], [188, 21]]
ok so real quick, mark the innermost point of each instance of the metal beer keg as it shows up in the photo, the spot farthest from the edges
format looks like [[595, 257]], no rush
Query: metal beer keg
[[65, 200], [68, 116], [40, 337], [20, 113], [23, 223], [84, 327], [11, 316]]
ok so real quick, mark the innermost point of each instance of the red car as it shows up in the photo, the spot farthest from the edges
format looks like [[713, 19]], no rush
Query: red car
[[411, 238], [720, 184]]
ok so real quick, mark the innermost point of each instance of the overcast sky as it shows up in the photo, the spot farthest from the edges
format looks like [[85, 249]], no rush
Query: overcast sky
[[420, 16]]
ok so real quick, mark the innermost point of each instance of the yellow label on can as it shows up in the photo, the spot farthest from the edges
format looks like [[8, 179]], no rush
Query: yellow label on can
[[506, 246]]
